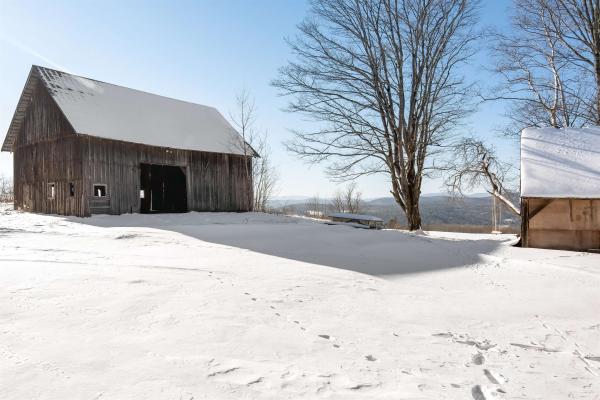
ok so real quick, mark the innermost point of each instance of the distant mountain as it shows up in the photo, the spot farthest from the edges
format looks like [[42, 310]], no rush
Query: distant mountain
[[278, 201], [435, 209], [383, 201]]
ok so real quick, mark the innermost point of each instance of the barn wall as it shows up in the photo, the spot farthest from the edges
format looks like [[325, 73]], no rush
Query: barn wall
[[46, 151], [215, 182], [566, 224]]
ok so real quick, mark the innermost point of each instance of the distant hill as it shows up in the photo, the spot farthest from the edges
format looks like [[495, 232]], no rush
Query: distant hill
[[286, 200], [435, 209]]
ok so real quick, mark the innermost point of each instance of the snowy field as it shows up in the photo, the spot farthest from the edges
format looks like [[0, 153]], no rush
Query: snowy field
[[245, 306]]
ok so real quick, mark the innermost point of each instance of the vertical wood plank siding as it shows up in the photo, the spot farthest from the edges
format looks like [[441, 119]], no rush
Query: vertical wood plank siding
[[47, 151], [565, 224], [215, 181]]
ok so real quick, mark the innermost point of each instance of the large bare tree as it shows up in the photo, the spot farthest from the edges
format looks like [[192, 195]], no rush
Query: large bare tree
[[577, 24], [542, 85], [261, 170], [380, 78]]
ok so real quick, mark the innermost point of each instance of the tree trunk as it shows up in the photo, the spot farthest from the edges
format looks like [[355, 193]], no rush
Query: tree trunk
[[597, 71], [413, 216]]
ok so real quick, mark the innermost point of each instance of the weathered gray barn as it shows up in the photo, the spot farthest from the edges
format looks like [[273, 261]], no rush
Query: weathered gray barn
[[560, 188], [83, 146]]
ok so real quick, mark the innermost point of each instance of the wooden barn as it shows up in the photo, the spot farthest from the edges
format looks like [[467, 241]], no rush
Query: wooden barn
[[560, 188], [83, 147]]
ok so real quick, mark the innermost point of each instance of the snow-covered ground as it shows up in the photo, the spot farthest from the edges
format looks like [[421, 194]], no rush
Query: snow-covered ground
[[244, 306]]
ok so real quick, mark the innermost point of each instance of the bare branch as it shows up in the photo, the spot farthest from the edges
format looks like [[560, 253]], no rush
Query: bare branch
[[474, 165]]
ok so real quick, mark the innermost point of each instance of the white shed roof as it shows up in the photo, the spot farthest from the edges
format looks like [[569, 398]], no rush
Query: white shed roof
[[560, 163], [115, 112]]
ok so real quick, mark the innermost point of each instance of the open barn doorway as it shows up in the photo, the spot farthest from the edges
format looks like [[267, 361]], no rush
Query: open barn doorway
[[163, 189]]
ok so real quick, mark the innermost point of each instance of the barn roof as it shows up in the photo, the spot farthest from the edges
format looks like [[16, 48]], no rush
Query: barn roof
[[115, 112], [560, 163]]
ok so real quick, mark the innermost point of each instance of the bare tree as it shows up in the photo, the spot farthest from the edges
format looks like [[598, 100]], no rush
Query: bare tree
[[476, 165], [261, 170], [577, 24], [349, 200], [6, 189], [316, 207], [264, 175], [543, 87], [380, 78]]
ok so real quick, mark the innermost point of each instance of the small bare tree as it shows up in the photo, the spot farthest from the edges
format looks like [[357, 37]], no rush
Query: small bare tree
[[6, 189], [316, 208], [264, 175], [380, 76], [543, 87], [476, 165], [349, 200], [260, 169]]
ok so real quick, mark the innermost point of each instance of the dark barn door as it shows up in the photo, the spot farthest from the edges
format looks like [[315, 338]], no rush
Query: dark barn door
[[163, 188]]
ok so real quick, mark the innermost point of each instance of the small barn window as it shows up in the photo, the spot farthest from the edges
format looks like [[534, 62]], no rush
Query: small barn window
[[51, 190], [99, 190], [71, 189]]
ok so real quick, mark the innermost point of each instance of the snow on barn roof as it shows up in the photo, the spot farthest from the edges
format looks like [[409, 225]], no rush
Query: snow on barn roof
[[115, 112], [560, 163]]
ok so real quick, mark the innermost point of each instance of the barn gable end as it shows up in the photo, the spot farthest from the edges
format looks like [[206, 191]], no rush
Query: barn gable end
[[47, 157]]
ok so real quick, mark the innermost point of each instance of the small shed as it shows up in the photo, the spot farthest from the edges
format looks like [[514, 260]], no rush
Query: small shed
[[367, 221], [82, 146], [560, 188]]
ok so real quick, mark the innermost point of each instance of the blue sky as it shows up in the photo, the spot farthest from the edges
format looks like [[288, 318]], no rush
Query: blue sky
[[199, 51]]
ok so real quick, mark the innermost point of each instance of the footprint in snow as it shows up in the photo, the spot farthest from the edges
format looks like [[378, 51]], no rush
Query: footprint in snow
[[222, 372], [478, 359], [480, 393], [496, 379], [535, 347], [361, 386]]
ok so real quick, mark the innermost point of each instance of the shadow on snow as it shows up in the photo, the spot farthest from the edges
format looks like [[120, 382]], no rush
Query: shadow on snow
[[384, 252]]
